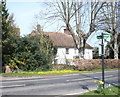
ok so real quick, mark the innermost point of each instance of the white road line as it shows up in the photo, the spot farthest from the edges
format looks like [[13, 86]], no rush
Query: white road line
[[109, 76], [96, 77], [30, 80], [33, 78], [51, 79], [70, 74], [78, 79], [105, 76], [40, 87], [12, 86], [87, 78], [36, 79], [100, 72], [115, 84], [77, 93], [51, 76]]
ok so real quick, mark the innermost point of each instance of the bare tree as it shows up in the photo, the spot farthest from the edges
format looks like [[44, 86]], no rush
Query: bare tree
[[108, 22], [76, 15]]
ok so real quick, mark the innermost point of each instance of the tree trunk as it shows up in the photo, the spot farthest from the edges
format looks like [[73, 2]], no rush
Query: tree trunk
[[116, 47]]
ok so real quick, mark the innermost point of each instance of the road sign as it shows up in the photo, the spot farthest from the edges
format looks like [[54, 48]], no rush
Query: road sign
[[104, 35], [102, 48], [99, 37]]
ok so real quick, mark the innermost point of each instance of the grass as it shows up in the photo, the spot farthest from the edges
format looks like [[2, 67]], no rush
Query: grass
[[115, 90], [51, 72], [40, 73]]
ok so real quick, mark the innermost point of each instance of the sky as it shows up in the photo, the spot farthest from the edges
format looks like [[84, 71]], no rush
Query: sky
[[24, 16]]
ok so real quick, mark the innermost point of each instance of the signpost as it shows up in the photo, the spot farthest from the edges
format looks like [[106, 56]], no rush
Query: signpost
[[102, 47]]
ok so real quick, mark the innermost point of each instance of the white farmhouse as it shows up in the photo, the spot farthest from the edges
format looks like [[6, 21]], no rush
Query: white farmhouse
[[66, 49]]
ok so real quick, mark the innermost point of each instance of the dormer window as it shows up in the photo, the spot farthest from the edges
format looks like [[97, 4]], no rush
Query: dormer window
[[67, 50]]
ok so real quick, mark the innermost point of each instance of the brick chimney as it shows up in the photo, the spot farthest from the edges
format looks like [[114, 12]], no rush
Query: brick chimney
[[66, 31], [38, 27]]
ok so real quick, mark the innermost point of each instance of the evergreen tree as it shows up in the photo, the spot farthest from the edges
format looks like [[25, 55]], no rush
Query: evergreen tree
[[5, 30], [7, 34], [5, 23]]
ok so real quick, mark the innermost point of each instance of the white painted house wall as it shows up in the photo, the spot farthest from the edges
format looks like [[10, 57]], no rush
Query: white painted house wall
[[88, 54], [63, 41], [62, 56]]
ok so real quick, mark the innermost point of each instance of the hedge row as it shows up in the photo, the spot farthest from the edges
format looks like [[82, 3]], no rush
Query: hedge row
[[88, 64]]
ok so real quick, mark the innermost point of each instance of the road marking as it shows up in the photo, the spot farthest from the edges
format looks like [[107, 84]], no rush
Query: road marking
[[100, 72], [115, 84], [30, 80], [40, 87], [77, 93], [88, 78], [12, 86], [55, 78], [79, 79], [70, 74], [36, 79], [96, 77], [105, 76], [64, 95], [109, 76], [44, 78]]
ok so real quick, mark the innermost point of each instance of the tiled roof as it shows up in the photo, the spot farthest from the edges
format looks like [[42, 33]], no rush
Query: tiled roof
[[61, 39]]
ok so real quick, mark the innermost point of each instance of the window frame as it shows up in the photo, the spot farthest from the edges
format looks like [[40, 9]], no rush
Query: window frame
[[67, 50]]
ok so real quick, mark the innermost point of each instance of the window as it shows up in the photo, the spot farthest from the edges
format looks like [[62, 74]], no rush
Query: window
[[75, 50], [55, 61], [75, 57], [67, 50]]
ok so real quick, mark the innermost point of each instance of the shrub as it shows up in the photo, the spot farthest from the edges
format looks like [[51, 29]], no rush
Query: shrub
[[30, 54]]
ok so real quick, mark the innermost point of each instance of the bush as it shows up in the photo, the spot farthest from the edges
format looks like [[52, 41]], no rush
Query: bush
[[30, 54]]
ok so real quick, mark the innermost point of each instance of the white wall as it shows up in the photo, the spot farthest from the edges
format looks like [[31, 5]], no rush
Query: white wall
[[62, 56], [88, 54]]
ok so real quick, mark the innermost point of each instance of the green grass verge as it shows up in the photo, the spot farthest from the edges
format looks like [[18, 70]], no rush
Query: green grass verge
[[51, 72], [40, 73], [115, 90]]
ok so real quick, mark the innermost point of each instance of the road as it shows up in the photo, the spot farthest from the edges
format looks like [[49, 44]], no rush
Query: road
[[70, 84]]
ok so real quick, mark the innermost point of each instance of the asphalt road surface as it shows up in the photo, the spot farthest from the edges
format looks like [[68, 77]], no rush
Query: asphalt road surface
[[70, 84]]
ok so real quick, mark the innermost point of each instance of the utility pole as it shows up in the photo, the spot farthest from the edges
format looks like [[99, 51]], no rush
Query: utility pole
[[102, 50]]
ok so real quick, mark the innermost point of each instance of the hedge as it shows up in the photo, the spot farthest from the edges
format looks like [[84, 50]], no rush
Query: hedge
[[90, 64], [87, 64]]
